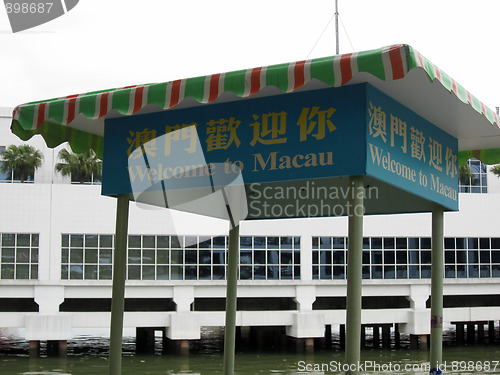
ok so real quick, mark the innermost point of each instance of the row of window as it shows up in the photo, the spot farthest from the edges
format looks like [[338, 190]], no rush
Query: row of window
[[13, 176], [407, 258], [151, 257]]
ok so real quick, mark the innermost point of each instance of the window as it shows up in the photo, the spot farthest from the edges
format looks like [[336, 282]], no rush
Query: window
[[12, 175], [86, 257], [478, 183], [89, 180], [407, 258], [19, 256], [163, 257]]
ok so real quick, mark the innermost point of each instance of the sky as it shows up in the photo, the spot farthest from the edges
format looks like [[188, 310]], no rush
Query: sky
[[103, 44]]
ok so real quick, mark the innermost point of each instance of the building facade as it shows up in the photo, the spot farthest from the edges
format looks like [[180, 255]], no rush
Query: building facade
[[56, 251]]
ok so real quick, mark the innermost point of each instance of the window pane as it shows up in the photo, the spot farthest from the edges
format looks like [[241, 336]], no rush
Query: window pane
[[286, 242], [425, 243], [425, 272], [105, 272], [34, 272], [163, 242], [76, 256], [273, 242], [22, 271], [76, 240], [91, 272], [76, 272], [449, 271], [148, 256], [7, 271], [162, 272], [389, 257], [34, 255], [401, 243], [376, 243], [134, 241], [105, 256], [134, 256], [148, 272], [162, 257], [177, 272], [134, 272], [402, 272], [23, 240], [148, 241], [106, 241], [90, 255], [401, 257], [205, 242], [91, 240], [389, 243], [8, 239], [8, 255], [245, 242], [376, 272]]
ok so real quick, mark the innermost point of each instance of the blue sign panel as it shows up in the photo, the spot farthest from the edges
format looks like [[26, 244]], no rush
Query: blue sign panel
[[409, 152], [297, 136]]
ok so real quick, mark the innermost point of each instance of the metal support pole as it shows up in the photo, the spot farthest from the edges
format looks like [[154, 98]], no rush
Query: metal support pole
[[337, 47], [231, 295], [437, 275], [119, 271], [354, 274]]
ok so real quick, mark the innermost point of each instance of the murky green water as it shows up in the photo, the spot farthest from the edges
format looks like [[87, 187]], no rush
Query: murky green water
[[89, 356]]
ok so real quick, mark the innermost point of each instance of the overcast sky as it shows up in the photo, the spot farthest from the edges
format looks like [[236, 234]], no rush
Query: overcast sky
[[104, 44]]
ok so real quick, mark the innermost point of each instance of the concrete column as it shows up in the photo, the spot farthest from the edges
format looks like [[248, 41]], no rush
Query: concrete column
[[144, 340], [328, 335], [363, 336], [471, 334], [413, 342], [480, 332], [342, 335], [397, 336], [386, 336], [376, 336], [423, 342], [34, 348], [460, 333], [491, 331]]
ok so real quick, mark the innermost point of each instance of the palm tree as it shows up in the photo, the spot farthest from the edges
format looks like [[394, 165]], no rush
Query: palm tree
[[496, 170], [79, 166], [465, 175], [23, 160]]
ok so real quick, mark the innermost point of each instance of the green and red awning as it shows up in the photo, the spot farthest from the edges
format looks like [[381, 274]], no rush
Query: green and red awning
[[399, 70]]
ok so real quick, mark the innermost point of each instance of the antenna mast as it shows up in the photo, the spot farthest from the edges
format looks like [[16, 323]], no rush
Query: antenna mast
[[337, 26]]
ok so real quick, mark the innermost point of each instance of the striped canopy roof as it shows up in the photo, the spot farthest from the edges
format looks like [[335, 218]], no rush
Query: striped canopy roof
[[400, 71]]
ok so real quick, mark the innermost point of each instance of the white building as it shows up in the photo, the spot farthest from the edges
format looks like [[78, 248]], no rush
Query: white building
[[56, 241]]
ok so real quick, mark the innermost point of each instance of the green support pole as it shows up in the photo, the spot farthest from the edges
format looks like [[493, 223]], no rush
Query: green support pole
[[437, 269], [119, 271], [354, 274], [232, 280]]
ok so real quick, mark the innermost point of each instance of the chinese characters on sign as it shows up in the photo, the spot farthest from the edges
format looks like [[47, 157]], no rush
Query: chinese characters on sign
[[410, 152], [221, 134]]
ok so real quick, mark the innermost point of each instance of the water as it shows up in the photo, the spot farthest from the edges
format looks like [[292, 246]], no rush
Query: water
[[88, 355]]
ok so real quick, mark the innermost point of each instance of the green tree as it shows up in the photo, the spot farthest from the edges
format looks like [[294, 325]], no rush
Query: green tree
[[465, 175], [80, 166], [496, 170], [23, 160]]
